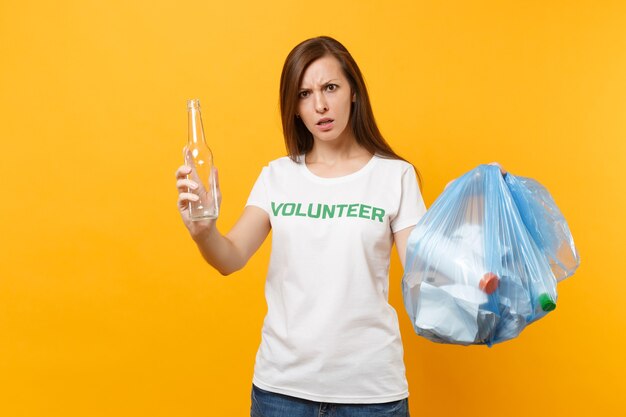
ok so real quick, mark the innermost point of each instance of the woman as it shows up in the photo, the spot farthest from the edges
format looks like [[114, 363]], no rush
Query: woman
[[336, 205]]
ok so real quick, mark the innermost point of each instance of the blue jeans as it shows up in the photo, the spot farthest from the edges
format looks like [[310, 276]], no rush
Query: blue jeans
[[270, 404]]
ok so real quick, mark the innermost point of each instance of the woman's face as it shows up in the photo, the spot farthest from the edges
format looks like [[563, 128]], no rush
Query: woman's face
[[325, 99]]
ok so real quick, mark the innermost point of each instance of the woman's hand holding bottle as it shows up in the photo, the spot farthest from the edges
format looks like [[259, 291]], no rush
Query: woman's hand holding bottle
[[192, 190]]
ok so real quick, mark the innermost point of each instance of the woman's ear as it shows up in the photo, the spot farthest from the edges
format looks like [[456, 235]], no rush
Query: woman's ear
[[353, 97]]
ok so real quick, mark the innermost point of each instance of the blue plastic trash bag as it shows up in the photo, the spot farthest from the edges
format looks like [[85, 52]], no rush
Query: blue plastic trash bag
[[474, 273], [546, 224]]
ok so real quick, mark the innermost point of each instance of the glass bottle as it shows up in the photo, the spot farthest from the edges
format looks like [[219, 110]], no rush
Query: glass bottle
[[199, 157]]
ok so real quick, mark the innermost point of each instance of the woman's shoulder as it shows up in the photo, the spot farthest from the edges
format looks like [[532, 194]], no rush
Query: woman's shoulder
[[280, 165], [283, 160], [393, 163]]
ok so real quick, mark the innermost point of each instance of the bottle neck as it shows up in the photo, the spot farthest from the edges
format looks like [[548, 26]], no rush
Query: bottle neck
[[195, 128]]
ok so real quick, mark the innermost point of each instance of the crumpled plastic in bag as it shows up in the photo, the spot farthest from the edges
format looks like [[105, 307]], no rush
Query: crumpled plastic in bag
[[478, 268]]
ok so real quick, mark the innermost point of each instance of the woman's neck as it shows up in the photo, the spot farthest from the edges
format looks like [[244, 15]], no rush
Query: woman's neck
[[329, 160], [332, 153]]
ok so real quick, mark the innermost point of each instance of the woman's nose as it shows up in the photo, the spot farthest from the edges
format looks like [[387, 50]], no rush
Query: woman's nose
[[320, 103]]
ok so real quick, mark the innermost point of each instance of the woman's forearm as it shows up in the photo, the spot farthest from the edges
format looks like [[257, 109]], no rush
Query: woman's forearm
[[219, 251]]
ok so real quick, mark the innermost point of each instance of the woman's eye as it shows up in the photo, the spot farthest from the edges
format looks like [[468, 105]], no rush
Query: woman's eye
[[331, 87], [303, 94]]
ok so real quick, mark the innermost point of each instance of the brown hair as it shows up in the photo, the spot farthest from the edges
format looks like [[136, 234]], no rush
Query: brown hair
[[298, 139]]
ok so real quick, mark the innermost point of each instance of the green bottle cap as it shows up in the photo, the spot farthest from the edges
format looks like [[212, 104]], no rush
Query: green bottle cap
[[547, 304]]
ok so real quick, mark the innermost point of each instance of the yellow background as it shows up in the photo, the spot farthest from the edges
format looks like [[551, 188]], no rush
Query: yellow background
[[107, 309]]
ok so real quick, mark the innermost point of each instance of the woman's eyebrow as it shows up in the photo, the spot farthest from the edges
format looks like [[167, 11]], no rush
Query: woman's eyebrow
[[325, 83]]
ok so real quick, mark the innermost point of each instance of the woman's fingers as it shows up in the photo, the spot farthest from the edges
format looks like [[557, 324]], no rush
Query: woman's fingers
[[183, 171], [185, 183], [190, 188], [185, 198], [191, 165], [502, 170]]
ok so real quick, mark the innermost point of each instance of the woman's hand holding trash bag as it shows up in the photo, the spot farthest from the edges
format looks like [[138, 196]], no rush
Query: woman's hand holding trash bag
[[502, 171]]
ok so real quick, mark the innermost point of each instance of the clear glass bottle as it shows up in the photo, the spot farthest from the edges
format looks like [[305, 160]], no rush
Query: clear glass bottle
[[199, 157]]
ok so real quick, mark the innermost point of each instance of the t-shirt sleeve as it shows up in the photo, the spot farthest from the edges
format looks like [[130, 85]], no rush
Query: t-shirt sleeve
[[258, 196], [412, 206]]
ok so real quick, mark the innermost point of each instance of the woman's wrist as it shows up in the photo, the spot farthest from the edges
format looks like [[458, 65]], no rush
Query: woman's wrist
[[203, 233]]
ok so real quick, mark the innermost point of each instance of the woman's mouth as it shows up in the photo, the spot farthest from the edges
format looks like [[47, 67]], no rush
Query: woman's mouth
[[325, 124]]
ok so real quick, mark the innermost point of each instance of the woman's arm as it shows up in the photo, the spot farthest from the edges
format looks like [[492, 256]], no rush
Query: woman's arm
[[226, 253], [231, 252], [400, 238]]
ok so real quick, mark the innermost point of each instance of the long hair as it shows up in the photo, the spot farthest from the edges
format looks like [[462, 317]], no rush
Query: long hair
[[298, 139]]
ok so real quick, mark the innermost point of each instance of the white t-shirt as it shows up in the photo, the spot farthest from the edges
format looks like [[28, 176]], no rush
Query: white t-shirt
[[330, 334]]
